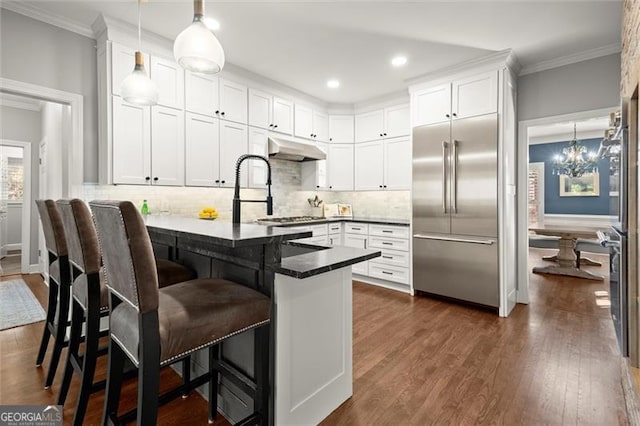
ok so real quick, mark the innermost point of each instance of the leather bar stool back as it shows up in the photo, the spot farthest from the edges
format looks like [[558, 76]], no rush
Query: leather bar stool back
[[59, 286], [90, 298], [157, 327]]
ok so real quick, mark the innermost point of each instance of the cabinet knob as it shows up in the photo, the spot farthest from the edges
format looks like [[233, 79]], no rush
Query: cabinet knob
[[380, 134], [317, 186], [155, 179], [217, 111], [147, 178], [275, 125], [223, 181], [380, 186], [385, 186], [217, 180], [270, 125], [384, 134], [330, 187], [448, 116], [330, 139], [455, 115], [222, 113]]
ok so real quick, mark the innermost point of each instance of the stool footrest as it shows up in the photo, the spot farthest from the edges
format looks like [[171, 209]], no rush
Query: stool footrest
[[239, 379]]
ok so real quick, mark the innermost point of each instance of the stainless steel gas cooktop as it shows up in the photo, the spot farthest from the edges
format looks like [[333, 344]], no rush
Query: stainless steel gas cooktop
[[292, 219]]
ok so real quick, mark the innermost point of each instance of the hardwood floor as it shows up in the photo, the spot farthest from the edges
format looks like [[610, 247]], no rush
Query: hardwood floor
[[425, 361]]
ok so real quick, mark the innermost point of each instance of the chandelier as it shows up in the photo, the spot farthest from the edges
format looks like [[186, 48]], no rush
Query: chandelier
[[573, 162]]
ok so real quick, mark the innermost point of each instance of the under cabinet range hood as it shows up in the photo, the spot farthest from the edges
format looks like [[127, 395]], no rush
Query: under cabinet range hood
[[284, 149]]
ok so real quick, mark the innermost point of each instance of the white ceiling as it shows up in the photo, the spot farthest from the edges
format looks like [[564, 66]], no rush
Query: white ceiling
[[585, 129], [304, 43]]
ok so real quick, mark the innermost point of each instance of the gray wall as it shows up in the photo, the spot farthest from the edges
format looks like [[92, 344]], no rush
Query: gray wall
[[25, 126], [582, 86], [35, 52]]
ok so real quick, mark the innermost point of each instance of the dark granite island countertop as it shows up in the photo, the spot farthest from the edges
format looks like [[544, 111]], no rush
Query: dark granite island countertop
[[323, 259], [221, 233]]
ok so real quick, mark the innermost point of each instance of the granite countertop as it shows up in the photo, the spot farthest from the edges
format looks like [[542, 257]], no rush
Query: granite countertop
[[221, 233], [322, 260], [372, 220]]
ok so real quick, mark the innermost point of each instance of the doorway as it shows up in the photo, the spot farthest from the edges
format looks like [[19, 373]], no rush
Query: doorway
[[15, 207]]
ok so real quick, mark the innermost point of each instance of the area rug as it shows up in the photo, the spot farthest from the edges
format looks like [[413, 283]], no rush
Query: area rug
[[18, 305]]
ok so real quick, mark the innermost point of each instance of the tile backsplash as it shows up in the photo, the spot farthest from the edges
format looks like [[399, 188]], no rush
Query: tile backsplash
[[289, 198]]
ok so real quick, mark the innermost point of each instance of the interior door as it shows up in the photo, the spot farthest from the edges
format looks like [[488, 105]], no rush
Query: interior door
[[474, 176], [431, 151]]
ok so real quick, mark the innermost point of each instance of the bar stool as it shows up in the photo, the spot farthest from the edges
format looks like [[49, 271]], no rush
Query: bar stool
[[56, 322], [156, 327], [90, 299]]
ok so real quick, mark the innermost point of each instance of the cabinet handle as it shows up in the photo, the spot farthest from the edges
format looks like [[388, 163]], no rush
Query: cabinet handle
[[356, 229], [384, 243], [155, 179], [148, 178], [387, 257], [387, 273], [365, 243], [386, 231]]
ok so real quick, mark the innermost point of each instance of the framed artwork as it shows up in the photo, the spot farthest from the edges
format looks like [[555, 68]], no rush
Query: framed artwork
[[587, 185]]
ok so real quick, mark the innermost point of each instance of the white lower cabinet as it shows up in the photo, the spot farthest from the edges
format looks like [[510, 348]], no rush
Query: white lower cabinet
[[357, 241], [389, 273]]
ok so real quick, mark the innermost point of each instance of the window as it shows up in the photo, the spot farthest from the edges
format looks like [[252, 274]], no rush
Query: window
[[15, 178]]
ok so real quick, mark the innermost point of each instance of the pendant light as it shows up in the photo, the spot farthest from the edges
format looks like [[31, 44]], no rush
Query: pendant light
[[196, 48], [138, 88]]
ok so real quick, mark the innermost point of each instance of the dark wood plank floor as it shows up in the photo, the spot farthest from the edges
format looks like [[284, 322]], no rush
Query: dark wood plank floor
[[424, 361]]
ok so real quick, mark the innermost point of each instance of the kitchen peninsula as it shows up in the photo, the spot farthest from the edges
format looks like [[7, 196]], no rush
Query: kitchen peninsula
[[311, 309]]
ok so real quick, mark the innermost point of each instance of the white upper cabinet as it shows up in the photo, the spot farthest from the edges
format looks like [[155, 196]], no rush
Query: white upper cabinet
[[314, 173], [201, 93], [396, 121], [432, 105], [167, 146], [233, 144], [475, 95], [282, 116], [131, 143], [303, 122], [260, 111], [341, 129], [320, 126], [233, 101], [369, 126], [123, 61], [202, 150], [397, 163], [258, 144], [340, 167], [169, 77], [369, 165]]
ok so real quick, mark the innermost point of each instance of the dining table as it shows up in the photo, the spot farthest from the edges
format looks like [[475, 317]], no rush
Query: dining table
[[566, 257]]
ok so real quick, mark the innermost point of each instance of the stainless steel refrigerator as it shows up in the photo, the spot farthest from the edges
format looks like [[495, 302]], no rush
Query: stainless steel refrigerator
[[455, 210]]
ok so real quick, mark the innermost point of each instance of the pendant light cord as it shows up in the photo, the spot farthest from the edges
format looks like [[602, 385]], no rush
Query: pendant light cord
[[139, 27]]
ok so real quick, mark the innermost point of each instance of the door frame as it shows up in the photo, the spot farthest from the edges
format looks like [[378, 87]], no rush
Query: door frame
[[27, 201], [75, 148], [522, 292]]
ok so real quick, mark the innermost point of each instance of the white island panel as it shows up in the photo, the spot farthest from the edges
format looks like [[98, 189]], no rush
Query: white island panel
[[314, 363]]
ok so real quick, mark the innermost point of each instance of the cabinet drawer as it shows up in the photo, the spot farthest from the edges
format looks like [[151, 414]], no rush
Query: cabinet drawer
[[356, 228], [389, 231], [389, 243], [393, 258], [335, 228], [334, 239], [318, 230], [321, 240], [389, 273]]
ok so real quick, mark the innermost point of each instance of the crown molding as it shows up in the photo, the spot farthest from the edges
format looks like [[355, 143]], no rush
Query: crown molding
[[48, 17], [573, 58]]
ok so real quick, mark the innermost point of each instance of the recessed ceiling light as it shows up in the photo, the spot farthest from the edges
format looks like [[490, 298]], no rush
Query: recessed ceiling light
[[399, 61], [212, 24], [333, 84]]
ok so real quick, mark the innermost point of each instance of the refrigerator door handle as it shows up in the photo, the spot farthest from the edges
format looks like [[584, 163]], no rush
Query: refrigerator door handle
[[444, 177], [454, 179], [453, 239]]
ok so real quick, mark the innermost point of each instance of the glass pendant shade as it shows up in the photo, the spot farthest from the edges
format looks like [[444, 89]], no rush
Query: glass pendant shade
[[138, 88], [196, 48]]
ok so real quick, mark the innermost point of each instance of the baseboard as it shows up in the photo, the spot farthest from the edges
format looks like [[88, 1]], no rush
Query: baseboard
[[404, 288], [579, 219], [34, 269]]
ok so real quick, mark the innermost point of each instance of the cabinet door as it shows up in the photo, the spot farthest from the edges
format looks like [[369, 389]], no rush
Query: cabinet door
[[340, 167], [260, 109], [320, 127], [169, 77], [233, 101], [131, 143], [369, 163], [233, 144], [202, 163], [201, 93], [341, 129], [357, 241], [432, 105], [369, 126], [123, 61], [314, 173], [282, 116], [397, 163], [303, 122], [258, 144], [476, 95], [396, 121], [167, 146]]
